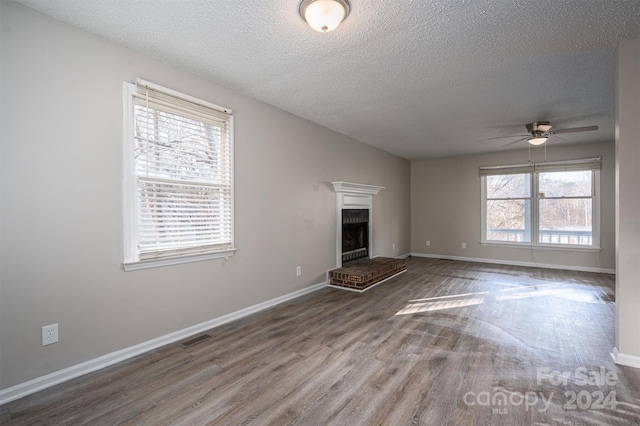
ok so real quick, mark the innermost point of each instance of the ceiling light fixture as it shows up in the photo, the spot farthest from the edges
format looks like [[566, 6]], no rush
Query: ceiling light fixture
[[538, 140], [538, 132], [324, 15]]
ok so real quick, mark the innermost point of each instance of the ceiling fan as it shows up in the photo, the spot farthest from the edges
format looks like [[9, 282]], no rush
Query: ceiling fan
[[540, 131]]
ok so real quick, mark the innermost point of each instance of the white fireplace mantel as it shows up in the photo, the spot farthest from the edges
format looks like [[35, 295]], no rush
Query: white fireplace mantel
[[353, 196], [356, 188]]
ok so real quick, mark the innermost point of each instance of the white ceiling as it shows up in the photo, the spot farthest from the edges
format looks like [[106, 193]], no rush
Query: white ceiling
[[419, 79]]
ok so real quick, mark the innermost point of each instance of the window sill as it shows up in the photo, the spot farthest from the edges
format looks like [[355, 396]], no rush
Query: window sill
[[541, 246], [175, 260]]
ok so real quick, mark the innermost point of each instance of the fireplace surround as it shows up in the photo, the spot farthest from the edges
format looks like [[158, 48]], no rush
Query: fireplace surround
[[354, 205]]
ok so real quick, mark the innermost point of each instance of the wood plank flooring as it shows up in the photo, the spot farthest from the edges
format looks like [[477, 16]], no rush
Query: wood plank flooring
[[446, 342]]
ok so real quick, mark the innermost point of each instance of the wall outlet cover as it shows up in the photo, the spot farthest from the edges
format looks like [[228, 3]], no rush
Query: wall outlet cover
[[49, 334]]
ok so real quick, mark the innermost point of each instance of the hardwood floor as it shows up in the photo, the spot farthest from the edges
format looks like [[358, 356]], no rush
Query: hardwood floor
[[443, 343]]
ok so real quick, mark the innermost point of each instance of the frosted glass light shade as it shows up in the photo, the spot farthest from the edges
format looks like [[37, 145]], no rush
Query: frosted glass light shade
[[324, 15], [537, 141]]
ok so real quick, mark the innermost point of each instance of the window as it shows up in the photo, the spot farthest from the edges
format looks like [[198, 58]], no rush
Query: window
[[548, 204], [509, 207], [178, 178]]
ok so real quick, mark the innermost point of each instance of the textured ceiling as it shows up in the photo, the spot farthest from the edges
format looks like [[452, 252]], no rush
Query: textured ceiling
[[419, 79]]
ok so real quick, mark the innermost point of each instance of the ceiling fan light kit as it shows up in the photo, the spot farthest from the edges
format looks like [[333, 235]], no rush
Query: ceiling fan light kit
[[324, 15], [537, 140]]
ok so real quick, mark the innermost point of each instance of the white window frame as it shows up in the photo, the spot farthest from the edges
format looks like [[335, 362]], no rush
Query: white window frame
[[534, 169], [132, 260]]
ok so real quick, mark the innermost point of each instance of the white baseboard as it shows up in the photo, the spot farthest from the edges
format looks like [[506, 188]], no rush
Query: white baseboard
[[625, 359], [518, 263], [32, 386]]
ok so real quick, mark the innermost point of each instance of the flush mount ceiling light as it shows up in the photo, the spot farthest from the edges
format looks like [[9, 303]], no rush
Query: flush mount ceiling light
[[324, 15]]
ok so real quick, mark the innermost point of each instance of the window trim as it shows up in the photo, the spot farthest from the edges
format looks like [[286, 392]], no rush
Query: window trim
[[535, 169], [131, 259], [484, 210]]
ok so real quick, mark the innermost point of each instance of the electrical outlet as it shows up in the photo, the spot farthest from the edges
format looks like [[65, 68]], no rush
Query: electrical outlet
[[393, 246], [464, 245], [298, 271], [428, 243], [49, 334]]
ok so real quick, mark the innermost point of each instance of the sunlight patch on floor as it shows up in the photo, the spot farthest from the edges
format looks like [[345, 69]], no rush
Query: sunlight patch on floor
[[430, 304], [417, 307], [429, 299], [567, 294]]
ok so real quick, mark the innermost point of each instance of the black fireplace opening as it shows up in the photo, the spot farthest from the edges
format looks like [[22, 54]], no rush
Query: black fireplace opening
[[355, 235]]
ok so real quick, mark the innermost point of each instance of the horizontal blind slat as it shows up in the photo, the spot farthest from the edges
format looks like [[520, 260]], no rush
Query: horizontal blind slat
[[184, 186]]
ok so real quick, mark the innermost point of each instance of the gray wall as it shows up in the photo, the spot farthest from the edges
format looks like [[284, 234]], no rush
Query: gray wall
[[445, 207], [62, 202]]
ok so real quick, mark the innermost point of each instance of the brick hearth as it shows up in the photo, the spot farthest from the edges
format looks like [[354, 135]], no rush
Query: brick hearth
[[365, 273]]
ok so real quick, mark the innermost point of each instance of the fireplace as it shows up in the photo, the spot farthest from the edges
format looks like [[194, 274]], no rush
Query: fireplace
[[354, 241], [355, 235]]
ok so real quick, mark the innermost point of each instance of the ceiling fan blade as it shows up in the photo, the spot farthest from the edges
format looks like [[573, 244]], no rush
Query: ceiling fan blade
[[516, 141], [576, 129], [504, 137]]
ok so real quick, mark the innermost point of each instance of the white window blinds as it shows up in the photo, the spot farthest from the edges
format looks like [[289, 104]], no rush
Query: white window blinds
[[183, 167], [557, 166]]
